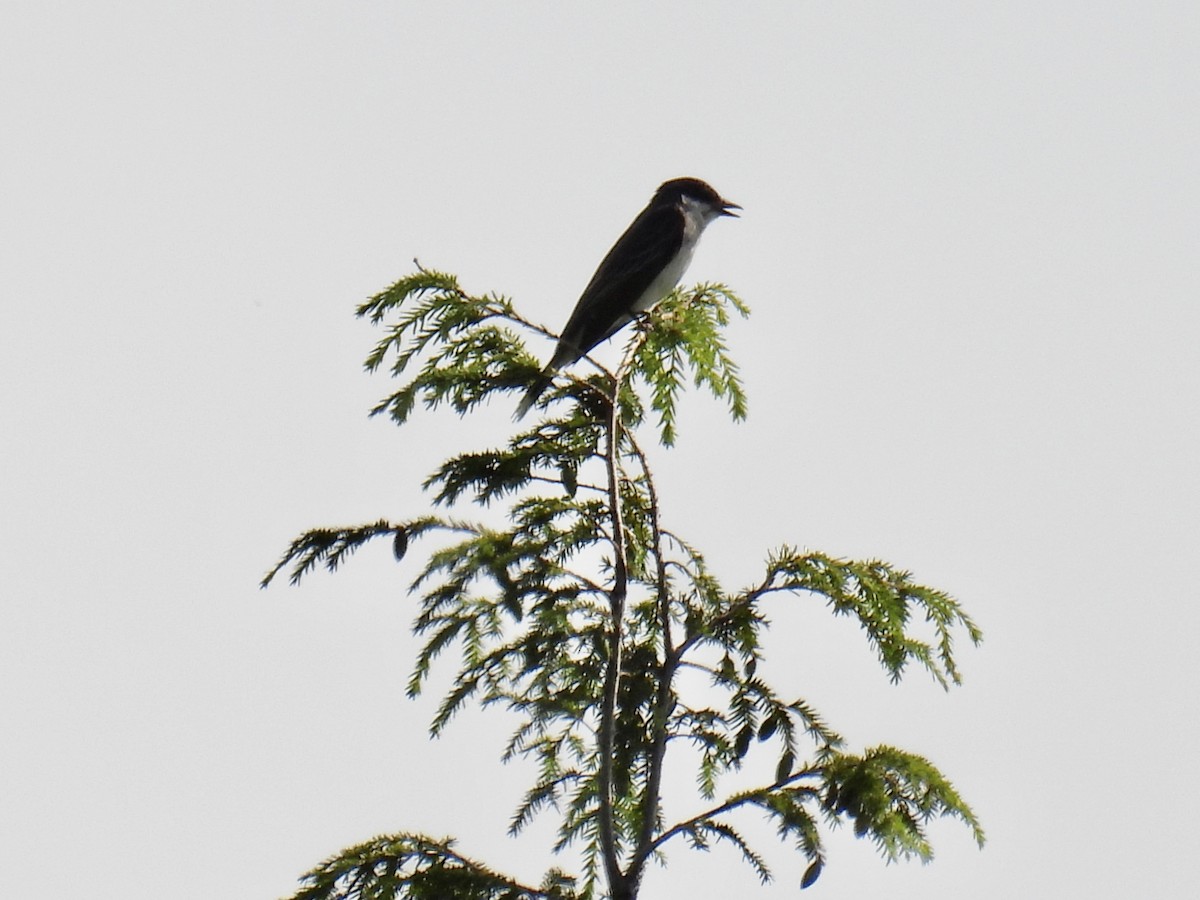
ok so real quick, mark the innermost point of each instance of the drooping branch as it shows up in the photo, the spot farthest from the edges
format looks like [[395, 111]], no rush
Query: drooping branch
[[413, 865]]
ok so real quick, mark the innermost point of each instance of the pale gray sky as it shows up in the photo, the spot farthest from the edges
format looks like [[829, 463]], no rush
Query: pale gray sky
[[969, 240]]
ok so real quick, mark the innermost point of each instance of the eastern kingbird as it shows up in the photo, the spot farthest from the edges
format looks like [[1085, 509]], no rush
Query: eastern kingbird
[[643, 266]]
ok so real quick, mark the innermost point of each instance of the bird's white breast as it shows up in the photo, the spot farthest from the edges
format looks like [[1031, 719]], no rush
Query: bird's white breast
[[695, 217]]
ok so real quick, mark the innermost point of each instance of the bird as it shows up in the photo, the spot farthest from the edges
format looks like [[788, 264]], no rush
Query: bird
[[643, 266]]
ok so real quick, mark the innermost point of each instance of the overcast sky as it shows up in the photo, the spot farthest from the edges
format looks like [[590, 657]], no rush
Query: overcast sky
[[970, 245]]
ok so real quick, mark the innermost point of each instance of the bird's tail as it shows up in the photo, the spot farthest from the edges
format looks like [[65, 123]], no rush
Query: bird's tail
[[544, 380]]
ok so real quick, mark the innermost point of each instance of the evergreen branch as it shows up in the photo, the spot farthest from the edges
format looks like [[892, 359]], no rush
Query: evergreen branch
[[685, 336], [608, 715], [416, 866], [699, 833], [890, 794], [664, 690], [756, 796], [882, 598], [545, 793], [330, 546]]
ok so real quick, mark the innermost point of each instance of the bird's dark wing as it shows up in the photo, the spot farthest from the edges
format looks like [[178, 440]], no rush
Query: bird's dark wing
[[630, 267]]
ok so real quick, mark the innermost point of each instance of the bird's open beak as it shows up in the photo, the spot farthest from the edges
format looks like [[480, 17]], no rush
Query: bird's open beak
[[727, 209]]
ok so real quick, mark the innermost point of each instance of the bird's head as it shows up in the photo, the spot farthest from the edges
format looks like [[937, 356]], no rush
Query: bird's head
[[698, 195]]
